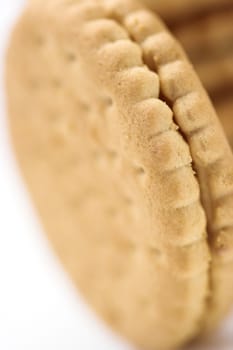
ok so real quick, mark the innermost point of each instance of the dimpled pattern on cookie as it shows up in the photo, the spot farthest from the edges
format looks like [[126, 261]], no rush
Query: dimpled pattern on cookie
[[107, 130], [210, 152]]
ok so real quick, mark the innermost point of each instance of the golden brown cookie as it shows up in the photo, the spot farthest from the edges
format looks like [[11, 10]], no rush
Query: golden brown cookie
[[127, 165]]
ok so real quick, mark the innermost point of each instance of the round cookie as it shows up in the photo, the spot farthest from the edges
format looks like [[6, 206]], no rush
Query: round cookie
[[127, 165]]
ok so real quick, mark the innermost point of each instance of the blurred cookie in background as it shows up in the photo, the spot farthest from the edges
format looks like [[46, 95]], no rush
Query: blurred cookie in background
[[205, 30], [178, 11]]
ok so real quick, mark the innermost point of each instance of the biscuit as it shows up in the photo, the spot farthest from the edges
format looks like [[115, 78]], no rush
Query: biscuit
[[127, 165]]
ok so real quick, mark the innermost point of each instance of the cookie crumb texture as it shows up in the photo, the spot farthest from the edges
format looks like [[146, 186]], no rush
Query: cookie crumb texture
[[97, 94]]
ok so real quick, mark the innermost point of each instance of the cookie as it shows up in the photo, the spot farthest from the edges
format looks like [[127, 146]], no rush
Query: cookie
[[127, 165]]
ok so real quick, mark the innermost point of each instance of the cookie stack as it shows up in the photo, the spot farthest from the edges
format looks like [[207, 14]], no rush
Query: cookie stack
[[127, 164]]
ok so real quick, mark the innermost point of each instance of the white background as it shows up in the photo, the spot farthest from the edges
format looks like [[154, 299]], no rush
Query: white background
[[39, 309]]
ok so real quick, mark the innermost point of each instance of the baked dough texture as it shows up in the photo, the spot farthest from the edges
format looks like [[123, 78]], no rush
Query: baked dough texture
[[127, 165]]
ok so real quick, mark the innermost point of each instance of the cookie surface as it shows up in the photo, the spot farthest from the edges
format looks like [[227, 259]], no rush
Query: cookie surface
[[127, 163]]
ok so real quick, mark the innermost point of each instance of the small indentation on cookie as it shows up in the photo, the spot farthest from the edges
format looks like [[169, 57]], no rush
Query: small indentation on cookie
[[155, 251], [125, 246], [39, 40], [94, 134], [140, 174], [140, 170], [117, 271], [112, 316], [71, 57], [84, 106], [74, 202], [58, 139], [144, 302], [128, 200], [108, 101], [72, 126], [99, 159], [53, 116], [111, 211], [33, 84], [56, 82], [96, 154], [221, 249], [112, 154]]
